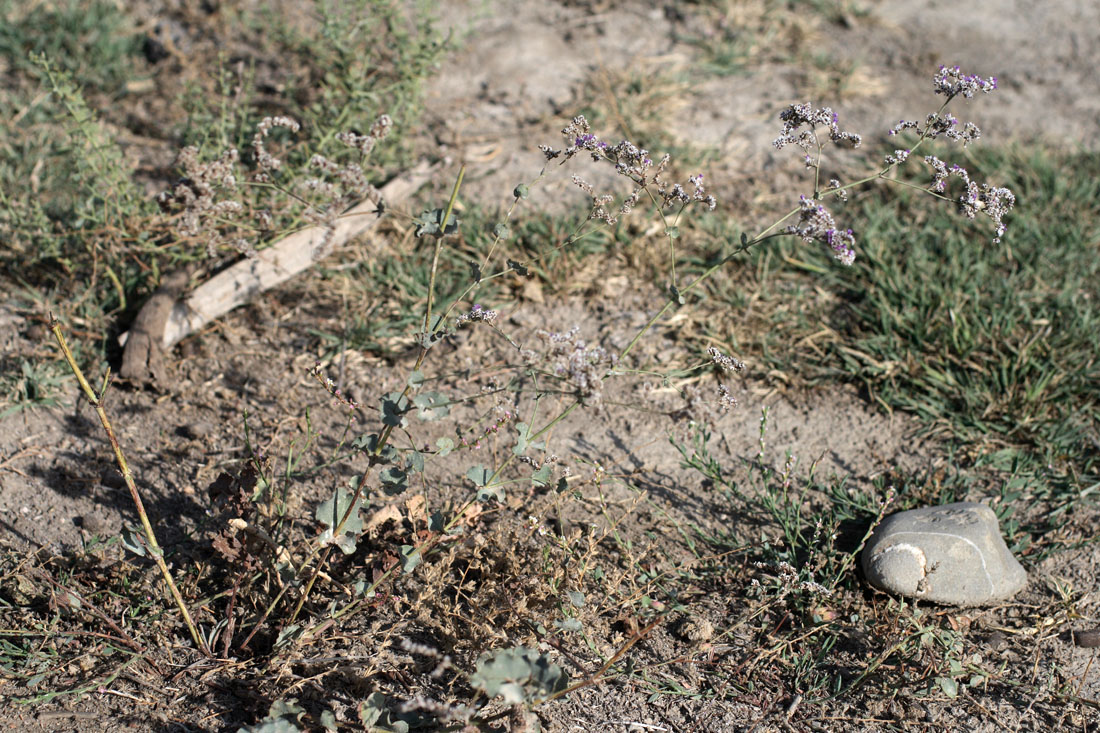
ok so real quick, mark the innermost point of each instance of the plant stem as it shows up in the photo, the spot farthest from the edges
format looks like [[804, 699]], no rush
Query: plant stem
[[439, 246], [154, 548]]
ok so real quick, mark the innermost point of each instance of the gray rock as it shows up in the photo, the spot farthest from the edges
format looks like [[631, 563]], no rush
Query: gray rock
[[952, 554]]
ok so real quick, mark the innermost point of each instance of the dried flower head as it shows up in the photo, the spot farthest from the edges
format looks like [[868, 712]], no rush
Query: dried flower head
[[581, 367], [724, 362], [629, 161], [815, 224], [951, 82], [265, 161], [339, 398], [477, 313], [726, 401], [797, 116], [195, 197]]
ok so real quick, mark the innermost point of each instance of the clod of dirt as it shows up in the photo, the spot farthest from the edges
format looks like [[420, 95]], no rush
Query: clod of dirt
[[1087, 639], [143, 359]]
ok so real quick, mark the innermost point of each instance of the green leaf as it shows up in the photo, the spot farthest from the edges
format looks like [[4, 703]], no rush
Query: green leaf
[[518, 675], [410, 558], [282, 718], [132, 540], [542, 476], [394, 480], [576, 598], [444, 446], [331, 511], [374, 711], [569, 624], [432, 406], [369, 445], [414, 462], [436, 332], [502, 230], [429, 223], [371, 709], [416, 378], [523, 441], [491, 493], [522, 191], [366, 442], [512, 692], [394, 407], [479, 475]]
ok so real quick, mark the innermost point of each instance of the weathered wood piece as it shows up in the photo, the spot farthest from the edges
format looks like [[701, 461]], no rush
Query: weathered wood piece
[[166, 319]]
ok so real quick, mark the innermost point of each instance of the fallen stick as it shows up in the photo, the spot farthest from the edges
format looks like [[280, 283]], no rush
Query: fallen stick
[[165, 320]]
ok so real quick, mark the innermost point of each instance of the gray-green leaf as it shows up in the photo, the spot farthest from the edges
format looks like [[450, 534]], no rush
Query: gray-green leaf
[[331, 511]]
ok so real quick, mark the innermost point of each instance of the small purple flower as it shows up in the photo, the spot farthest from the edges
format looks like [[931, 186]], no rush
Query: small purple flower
[[951, 82], [816, 224]]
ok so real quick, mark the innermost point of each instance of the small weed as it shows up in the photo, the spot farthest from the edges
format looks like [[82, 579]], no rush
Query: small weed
[[34, 384]]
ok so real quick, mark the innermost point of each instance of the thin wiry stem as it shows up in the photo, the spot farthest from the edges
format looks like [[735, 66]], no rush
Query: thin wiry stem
[[150, 537]]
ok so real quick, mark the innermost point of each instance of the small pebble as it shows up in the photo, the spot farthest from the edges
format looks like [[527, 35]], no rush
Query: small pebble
[[112, 478], [952, 554], [997, 640], [93, 524], [196, 430]]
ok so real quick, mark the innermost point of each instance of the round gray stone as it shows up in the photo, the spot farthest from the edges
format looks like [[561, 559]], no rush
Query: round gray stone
[[952, 554]]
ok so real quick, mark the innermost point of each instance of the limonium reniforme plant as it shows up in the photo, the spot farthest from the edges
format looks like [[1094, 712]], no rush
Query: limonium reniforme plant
[[556, 362], [563, 363]]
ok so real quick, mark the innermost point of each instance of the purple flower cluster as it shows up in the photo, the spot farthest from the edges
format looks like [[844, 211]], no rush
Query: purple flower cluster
[[940, 172], [815, 224], [677, 194], [631, 162], [477, 313], [951, 82], [798, 115], [898, 157], [992, 201], [936, 124]]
